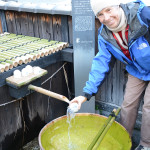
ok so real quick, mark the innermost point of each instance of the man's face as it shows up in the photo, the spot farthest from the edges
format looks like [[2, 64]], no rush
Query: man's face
[[109, 16]]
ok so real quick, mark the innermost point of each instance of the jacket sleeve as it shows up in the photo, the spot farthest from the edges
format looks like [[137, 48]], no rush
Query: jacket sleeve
[[145, 15], [100, 67]]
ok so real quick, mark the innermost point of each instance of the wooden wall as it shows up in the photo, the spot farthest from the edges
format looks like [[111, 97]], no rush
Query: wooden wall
[[52, 27], [21, 121]]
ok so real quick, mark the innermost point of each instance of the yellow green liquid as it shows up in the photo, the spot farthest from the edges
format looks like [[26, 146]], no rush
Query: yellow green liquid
[[84, 128]]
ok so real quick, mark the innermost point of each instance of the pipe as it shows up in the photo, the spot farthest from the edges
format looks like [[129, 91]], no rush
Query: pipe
[[49, 93]]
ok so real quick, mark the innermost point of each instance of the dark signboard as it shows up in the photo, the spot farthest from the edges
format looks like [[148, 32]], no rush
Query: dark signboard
[[83, 45]]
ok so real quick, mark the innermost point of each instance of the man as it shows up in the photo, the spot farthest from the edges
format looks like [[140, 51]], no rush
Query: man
[[124, 34]]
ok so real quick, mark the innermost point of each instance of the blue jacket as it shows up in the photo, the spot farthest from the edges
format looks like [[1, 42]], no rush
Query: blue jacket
[[138, 17]]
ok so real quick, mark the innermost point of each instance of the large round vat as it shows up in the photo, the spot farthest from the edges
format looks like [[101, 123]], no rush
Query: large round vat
[[58, 135]]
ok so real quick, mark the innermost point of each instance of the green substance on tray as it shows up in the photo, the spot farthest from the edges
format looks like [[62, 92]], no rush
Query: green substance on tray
[[54, 136]]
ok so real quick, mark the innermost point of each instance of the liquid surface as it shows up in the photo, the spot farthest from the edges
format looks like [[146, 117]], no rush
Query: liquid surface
[[81, 133]]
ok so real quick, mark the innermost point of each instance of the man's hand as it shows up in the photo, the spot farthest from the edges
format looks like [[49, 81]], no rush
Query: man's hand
[[79, 100]]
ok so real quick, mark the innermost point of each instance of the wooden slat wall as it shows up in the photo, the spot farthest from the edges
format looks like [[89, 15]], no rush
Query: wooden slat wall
[[112, 90], [40, 25], [20, 122]]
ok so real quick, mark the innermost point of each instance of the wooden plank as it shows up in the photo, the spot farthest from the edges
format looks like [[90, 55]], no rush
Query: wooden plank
[[114, 90], [106, 83], [1, 30], [109, 87], [10, 123], [18, 22], [3, 26], [24, 23], [70, 30], [64, 29], [25, 80], [11, 23], [39, 22], [57, 28], [121, 83], [35, 25], [117, 92], [103, 92], [49, 27], [30, 24], [45, 25]]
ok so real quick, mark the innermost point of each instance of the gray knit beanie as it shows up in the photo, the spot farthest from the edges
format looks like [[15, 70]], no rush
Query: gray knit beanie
[[98, 5]]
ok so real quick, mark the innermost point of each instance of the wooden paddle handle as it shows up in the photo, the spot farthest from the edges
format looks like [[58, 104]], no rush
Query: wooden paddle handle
[[48, 93]]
